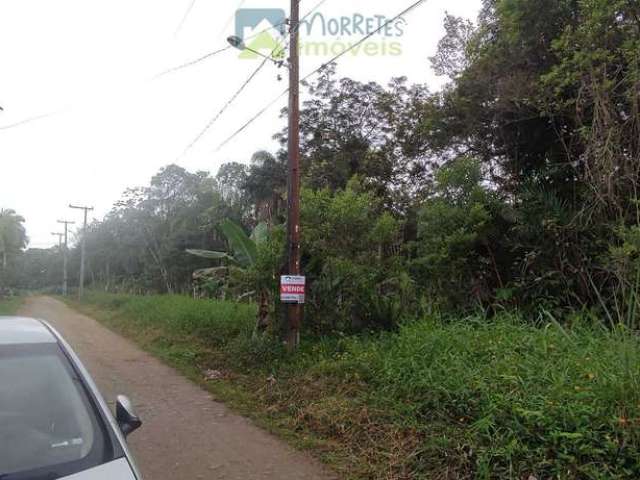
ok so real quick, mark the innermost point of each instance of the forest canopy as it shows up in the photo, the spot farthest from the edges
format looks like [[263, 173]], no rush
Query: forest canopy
[[515, 186]]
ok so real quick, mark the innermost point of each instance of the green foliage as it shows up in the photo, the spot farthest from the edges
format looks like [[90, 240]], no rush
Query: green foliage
[[515, 186], [456, 230], [461, 398], [351, 256], [367, 130], [244, 248], [209, 321], [210, 255], [544, 402], [13, 239], [9, 305]]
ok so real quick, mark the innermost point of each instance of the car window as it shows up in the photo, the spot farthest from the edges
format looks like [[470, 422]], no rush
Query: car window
[[48, 425]]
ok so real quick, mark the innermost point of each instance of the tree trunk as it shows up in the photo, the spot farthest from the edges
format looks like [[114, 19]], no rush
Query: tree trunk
[[262, 322]]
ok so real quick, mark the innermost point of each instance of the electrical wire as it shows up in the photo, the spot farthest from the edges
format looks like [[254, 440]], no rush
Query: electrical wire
[[184, 18], [364, 39], [230, 101], [275, 100], [216, 52], [28, 120], [230, 19], [192, 62], [245, 84], [251, 120], [320, 68]]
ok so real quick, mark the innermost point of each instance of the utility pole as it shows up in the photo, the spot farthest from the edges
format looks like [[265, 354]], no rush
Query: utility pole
[[60, 236], [294, 310], [83, 246], [291, 293], [65, 278]]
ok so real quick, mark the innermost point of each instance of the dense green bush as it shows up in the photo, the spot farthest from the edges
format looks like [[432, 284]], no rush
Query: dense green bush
[[459, 238], [352, 260]]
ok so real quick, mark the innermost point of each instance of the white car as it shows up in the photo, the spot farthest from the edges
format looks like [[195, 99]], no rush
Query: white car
[[54, 422]]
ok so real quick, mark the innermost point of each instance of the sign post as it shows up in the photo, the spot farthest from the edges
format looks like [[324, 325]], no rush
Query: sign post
[[292, 289]]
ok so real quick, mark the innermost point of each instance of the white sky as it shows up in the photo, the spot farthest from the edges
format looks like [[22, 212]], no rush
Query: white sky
[[91, 65]]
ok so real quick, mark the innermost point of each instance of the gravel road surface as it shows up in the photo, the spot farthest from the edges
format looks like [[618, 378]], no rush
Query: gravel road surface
[[186, 434]]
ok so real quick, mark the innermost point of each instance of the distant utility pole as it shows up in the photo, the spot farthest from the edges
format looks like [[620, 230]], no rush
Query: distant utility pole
[[60, 237], [65, 278], [83, 246], [294, 310]]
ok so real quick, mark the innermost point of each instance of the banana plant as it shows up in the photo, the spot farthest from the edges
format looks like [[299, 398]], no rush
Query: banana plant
[[243, 257], [244, 248]]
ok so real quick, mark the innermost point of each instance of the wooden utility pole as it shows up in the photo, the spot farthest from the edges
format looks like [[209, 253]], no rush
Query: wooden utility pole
[[60, 237], [65, 250], [294, 310], [83, 246]]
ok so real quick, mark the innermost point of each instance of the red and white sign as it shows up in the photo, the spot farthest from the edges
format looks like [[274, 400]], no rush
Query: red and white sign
[[292, 288]]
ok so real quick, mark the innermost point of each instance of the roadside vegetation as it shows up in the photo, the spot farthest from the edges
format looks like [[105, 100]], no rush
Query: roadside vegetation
[[9, 305], [438, 398], [472, 259]]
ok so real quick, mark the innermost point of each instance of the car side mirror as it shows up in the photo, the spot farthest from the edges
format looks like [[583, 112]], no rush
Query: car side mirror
[[126, 416]]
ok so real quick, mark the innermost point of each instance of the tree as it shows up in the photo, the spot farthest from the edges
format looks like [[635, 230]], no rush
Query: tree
[[352, 128], [13, 236], [460, 258], [243, 258], [266, 186]]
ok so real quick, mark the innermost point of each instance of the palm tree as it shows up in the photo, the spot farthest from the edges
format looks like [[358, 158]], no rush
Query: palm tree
[[13, 236]]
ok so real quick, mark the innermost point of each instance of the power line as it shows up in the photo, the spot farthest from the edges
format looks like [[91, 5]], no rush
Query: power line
[[193, 62], [275, 100], [230, 19], [83, 245], [27, 120], [252, 119], [248, 81], [320, 68], [228, 104], [216, 52], [317, 6], [365, 38], [184, 17], [65, 253]]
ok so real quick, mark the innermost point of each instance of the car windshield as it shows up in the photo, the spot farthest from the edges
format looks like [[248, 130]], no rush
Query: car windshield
[[48, 426]]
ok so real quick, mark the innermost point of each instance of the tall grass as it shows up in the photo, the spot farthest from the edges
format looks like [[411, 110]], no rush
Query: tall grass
[[9, 306], [462, 399], [208, 321]]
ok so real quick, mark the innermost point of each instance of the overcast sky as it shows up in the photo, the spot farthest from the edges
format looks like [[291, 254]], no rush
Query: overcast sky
[[88, 68]]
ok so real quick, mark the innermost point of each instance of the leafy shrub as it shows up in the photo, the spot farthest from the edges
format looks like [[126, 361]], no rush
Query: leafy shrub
[[351, 257], [458, 238]]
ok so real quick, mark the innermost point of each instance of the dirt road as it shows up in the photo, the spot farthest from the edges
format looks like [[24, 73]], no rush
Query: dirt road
[[186, 435]]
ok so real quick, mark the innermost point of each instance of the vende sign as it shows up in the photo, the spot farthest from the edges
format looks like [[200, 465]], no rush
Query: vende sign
[[292, 288]]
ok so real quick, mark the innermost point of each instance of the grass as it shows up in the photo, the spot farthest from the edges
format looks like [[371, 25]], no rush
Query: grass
[[9, 306], [457, 399]]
